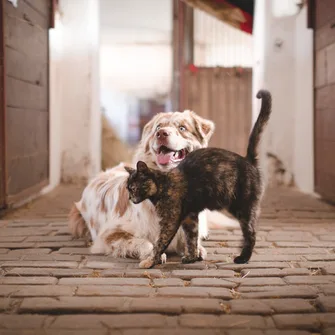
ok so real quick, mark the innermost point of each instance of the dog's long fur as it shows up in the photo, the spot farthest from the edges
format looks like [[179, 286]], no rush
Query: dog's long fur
[[208, 178], [119, 227]]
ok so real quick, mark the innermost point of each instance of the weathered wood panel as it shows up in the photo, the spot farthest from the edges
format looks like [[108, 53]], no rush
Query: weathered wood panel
[[27, 97], [2, 113], [324, 12], [224, 96], [324, 86], [27, 70]]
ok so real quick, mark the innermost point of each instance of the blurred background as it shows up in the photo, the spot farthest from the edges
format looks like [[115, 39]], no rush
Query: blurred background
[[81, 78]]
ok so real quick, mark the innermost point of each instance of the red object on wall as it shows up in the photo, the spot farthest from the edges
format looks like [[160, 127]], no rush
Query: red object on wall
[[193, 68]]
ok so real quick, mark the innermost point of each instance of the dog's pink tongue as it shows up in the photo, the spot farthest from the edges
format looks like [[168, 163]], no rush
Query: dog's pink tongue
[[164, 159]]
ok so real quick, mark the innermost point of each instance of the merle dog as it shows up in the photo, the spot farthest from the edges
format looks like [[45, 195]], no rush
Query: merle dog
[[208, 178]]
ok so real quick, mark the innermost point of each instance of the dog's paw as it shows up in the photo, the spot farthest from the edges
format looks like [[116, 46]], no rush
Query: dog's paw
[[202, 253], [163, 258], [147, 263]]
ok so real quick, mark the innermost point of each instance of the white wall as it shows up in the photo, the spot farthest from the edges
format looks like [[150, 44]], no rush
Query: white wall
[[303, 160], [55, 94], [217, 43], [283, 61], [135, 58], [136, 51], [75, 119]]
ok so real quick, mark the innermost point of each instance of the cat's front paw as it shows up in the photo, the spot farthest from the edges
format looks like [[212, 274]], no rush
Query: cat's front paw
[[163, 258], [147, 263]]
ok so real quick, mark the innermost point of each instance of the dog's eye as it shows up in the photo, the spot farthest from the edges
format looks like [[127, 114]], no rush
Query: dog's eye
[[182, 128], [158, 127]]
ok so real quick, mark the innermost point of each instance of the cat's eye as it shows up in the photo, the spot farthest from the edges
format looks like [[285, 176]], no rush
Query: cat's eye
[[182, 128], [158, 127]]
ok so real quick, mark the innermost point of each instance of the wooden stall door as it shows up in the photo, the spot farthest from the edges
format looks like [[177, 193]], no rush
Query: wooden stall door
[[224, 96], [27, 97], [2, 112], [324, 88]]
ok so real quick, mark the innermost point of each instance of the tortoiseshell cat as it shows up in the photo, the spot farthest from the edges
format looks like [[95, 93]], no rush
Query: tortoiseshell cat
[[209, 178]]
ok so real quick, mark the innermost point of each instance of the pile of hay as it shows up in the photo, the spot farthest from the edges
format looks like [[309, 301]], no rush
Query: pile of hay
[[114, 150]]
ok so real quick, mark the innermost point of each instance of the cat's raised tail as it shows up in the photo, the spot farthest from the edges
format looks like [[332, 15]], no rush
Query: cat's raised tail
[[263, 118]]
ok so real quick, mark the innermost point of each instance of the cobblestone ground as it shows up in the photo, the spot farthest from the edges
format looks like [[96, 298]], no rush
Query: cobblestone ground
[[50, 284]]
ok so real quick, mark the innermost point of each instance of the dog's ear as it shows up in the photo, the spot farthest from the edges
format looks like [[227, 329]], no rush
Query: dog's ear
[[204, 127], [142, 167], [129, 169]]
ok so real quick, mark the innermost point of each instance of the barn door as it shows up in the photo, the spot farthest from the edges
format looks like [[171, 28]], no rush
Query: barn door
[[2, 113], [222, 95], [27, 97], [324, 47]]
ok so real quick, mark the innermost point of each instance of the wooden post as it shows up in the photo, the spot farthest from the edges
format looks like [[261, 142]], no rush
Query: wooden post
[[3, 179], [183, 49]]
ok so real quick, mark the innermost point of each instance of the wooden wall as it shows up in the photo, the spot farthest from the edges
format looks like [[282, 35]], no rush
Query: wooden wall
[[324, 24], [27, 96], [2, 112], [224, 96]]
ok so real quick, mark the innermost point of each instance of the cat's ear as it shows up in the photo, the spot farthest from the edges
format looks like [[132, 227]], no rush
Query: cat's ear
[[142, 167], [129, 169]]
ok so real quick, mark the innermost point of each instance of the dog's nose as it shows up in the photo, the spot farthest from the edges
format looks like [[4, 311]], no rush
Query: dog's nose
[[162, 133]]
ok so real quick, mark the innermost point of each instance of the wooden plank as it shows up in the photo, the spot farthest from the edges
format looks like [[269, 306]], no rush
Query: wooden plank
[[331, 64], [326, 157], [54, 8], [18, 180], [40, 6], [31, 70], [204, 83], [325, 187], [325, 97], [26, 13], [215, 96], [324, 13], [324, 84], [325, 181], [242, 101], [321, 65], [29, 40], [26, 195], [222, 111], [324, 124], [231, 106], [324, 36], [25, 95], [248, 115], [25, 140], [222, 15], [310, 14], [220, 95], [2, 113], [192, 91]]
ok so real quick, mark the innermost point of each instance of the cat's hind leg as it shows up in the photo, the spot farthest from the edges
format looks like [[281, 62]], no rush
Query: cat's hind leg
[[249, 237]]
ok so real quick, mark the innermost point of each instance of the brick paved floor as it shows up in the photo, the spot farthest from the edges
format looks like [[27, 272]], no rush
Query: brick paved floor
[[50, 284]]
